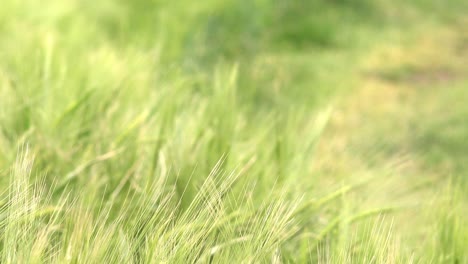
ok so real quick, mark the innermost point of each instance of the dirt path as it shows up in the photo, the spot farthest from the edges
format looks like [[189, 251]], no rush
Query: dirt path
[[400, 86]]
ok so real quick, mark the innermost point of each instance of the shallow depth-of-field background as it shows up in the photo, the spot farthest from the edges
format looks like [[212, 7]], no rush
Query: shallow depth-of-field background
[[237, 131]]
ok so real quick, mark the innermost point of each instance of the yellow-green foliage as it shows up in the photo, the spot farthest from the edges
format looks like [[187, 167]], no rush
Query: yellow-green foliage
[[237, 131]]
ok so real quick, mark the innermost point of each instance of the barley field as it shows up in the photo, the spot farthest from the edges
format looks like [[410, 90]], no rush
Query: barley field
[[235, 131]]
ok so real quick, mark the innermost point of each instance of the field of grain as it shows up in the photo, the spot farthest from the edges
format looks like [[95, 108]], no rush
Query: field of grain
[[261, 131]]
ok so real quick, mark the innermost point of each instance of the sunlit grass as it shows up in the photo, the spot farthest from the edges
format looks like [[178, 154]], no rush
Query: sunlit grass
[[232, 132]]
